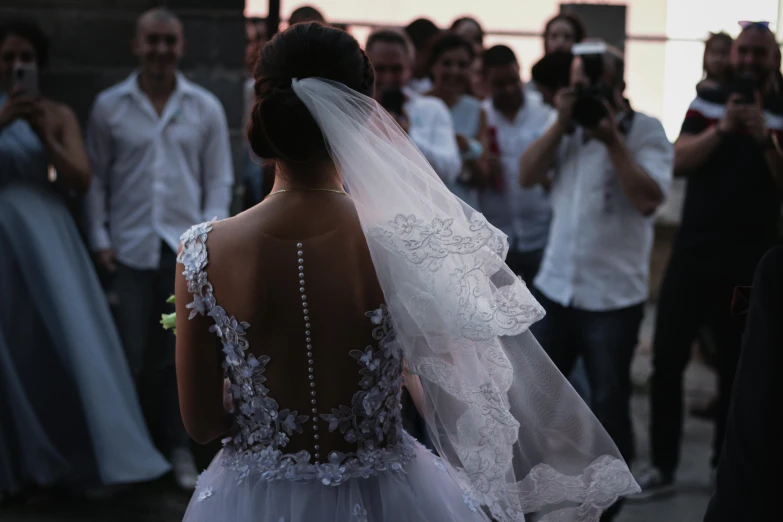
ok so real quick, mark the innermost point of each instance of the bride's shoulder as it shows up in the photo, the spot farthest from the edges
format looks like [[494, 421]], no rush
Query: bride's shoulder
[[210, 238]]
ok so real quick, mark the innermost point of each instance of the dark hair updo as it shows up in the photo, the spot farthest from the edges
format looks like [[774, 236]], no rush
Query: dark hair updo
[[280, 125]]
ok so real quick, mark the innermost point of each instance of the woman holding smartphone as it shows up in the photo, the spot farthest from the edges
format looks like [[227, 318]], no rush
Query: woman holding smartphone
[[68, 412]]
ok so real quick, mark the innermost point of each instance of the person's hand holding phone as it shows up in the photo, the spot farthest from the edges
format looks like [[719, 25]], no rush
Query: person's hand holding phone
[[19, 105], [753, 120], [735, 116], [42, 121]]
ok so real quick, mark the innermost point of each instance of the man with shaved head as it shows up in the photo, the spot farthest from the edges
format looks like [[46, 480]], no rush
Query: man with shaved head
[[161, 162], [729, 149]]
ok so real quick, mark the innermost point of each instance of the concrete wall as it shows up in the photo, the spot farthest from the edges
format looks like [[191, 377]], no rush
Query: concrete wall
[[91, 48]]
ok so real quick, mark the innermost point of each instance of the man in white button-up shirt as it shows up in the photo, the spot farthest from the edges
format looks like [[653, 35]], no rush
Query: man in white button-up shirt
[[161, 162], [426, 118], [608, 182], [516, 120]]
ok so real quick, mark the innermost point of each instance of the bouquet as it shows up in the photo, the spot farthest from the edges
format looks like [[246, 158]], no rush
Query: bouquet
[[169, 321]]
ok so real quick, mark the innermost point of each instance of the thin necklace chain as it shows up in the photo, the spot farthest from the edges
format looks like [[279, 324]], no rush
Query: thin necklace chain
[[342, 192]]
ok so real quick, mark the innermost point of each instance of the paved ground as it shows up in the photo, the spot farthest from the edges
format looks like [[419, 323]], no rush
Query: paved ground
[[160, 503]]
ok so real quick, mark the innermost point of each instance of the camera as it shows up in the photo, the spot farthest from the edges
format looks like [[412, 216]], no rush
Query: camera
[[589, 106]]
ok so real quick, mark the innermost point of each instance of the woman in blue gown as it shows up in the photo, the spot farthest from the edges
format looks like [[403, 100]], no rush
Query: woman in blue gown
[[68, 411]]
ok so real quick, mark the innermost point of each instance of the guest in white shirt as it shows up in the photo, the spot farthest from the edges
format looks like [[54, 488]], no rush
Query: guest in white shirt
[[514, 121], [161, 162], [608, 182], [426, 119]]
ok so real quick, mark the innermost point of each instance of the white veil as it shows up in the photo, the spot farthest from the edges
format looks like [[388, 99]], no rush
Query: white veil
[[511, 430]]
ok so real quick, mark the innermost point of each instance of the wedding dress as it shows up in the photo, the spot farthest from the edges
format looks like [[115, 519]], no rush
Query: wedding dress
[[414, 277]]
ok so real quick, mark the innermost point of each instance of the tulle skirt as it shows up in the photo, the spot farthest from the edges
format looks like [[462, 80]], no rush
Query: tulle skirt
[[423, 492]]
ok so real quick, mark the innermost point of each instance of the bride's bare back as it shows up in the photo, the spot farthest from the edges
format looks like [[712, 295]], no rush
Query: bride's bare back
[[316, 375]]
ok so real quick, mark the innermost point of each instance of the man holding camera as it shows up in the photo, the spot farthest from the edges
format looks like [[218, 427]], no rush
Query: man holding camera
[[728, 148], [612, 169]]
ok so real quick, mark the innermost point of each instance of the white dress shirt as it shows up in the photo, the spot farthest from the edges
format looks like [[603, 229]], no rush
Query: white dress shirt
[[431, 129], [521, 213], [598, 256], [155, 176]]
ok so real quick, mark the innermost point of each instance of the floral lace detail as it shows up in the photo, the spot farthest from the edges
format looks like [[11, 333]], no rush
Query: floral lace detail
[[375, 412], [205, 494], [484, 312], [464, 288], [360, 514], [596, 489], [263, 430], [203, 491]]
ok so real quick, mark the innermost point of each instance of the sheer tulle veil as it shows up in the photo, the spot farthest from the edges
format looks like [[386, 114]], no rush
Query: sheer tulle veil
[[512, 432]]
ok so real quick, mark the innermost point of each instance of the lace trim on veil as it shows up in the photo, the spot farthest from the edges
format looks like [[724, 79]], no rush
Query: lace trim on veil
[[485, 313]]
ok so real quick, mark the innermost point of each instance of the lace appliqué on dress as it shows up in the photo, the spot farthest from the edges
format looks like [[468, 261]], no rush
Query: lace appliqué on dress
[[263, 430], [375, 415], [359, 514]]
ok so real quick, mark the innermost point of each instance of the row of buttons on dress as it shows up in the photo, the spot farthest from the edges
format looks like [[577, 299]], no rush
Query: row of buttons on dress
[[309, 344]]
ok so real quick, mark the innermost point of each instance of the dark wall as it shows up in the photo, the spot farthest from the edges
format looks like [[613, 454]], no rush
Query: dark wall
[[606, 22], [91, 50]]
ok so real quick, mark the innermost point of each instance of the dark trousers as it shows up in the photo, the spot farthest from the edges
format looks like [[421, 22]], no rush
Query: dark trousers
[[525, 264], [606, 341], [694, 292], [140, 299]]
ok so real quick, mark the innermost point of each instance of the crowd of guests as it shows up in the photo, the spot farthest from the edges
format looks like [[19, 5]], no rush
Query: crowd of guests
[[575, 196]]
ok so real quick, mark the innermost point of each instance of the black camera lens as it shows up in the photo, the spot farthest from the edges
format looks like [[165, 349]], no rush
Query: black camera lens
[[589, 109]]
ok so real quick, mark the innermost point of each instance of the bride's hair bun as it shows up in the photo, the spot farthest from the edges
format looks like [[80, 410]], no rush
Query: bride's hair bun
[[280, 126]]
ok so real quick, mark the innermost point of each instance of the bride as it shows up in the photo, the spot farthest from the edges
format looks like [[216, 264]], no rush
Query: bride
[[359, 274]]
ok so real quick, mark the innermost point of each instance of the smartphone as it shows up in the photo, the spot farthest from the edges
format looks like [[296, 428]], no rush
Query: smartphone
[[26, 75], [746, 86], [393, 100]]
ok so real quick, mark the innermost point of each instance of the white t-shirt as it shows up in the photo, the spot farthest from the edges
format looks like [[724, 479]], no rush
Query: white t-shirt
[[598, 256]]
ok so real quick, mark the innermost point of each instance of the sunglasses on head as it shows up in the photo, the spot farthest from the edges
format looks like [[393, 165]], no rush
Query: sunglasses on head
[[747, 25]]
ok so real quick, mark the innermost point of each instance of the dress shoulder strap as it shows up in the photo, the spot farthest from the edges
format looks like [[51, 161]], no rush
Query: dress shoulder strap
[[195, 259], [193, 256]]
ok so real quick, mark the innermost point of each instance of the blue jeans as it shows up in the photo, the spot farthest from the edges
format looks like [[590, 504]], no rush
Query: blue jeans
[[606, 341]]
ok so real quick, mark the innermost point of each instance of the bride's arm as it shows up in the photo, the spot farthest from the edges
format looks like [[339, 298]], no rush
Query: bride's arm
[[413, 385], [199, 372]]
